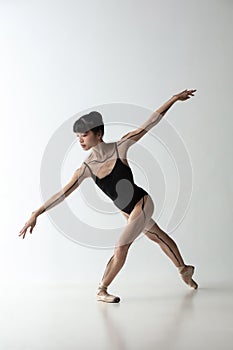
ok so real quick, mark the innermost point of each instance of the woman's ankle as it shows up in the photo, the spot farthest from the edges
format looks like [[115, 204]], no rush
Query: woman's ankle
[[102, 286], [181, 267], [102, 289]]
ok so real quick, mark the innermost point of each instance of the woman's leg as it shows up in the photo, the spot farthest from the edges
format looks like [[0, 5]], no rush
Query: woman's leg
[[137, 220], [167, 244]]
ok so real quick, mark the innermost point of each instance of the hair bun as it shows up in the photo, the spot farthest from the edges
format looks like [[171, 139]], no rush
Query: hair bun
[[88, 121]]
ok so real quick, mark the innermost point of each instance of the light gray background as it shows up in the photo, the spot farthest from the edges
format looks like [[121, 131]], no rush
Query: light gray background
[[59, 58]]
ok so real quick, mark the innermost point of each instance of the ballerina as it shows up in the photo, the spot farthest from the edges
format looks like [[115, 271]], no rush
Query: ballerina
[[107, 165]]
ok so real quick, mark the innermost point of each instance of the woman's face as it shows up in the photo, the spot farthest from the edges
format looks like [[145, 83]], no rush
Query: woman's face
[[87, 139]]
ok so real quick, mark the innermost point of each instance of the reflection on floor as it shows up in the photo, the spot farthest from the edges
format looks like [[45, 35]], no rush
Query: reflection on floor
[[157, 317]]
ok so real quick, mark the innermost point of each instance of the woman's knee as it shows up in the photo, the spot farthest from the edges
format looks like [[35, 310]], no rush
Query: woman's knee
[[149, 226], [121, 251]]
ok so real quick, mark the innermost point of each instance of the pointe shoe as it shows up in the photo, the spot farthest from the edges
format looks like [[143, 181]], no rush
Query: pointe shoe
[[186, 273], [105, 296]]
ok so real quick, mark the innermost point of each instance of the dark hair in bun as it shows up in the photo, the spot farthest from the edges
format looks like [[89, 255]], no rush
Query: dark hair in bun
[[91, 121]]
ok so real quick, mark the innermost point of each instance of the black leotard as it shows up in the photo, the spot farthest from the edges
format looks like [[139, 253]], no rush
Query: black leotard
[[119, 186]]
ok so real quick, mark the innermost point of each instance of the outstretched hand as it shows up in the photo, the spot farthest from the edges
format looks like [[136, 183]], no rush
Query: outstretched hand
[[184, 95], [30, 223]]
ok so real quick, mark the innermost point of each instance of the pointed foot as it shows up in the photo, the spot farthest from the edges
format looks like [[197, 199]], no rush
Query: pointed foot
[[186, 273]]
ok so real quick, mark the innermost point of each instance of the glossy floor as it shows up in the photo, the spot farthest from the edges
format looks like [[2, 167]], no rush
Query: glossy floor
[[158, 317]]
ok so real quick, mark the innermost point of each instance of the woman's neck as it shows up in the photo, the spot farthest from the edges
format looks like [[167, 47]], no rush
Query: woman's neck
[[101, 149]]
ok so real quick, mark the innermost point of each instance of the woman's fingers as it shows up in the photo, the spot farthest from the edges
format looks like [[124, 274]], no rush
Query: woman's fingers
[[23, 231], [31, 223], [191, 92], [186, 94]]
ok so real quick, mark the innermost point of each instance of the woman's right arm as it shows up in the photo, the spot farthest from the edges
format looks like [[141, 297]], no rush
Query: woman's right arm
[[79, 175]]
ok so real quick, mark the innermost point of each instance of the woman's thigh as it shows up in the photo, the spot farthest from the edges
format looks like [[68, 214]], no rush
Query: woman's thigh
[[137, 220]]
